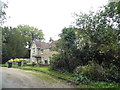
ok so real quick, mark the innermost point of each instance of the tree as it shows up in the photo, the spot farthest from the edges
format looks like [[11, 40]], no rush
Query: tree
[[30, 33], [16, 41], [68, 50], [3, 6], [13, 44], [98, 35]]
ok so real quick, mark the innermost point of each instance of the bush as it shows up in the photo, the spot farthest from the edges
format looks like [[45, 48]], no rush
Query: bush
[[80, 78], [112, 73], [92, 71], [56, 62], [96, 72]]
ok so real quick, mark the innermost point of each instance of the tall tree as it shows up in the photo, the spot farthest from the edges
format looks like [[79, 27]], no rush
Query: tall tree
[[3, 6], [30, 33], [96, 37], [101, 32], [68, 49], [16, 41], [13, 44]]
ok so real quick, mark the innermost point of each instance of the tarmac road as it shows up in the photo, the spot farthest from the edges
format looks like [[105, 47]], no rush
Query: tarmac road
[[16, 78]]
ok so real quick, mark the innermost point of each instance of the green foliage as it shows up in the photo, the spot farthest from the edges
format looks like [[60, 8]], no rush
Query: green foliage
[[30, 33], [96, 37], [3, 6], [33, 64], [13, 44], [105, 85], [99, 85], [49, 71], [67, 49], [56, 62], [80, 78], [93, 71], [16, 40], [112, 73]]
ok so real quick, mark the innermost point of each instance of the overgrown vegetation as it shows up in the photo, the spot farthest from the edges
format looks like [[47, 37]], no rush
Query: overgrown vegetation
[[92, 47]]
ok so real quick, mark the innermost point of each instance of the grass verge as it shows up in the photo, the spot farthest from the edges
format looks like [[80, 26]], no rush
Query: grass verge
[[100, 84], [48, 71], [44, 77]]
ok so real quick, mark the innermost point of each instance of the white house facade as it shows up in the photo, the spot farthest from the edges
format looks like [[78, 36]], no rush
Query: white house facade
[[41, 52]]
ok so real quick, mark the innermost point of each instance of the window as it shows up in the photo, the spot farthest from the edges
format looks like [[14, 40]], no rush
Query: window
[[49, 49], [33, 51], [42, 51]]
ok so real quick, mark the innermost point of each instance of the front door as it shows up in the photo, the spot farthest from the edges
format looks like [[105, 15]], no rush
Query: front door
[[46, 61]]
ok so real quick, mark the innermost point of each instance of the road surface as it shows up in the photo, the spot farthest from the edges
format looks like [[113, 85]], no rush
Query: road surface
[[16, 78]]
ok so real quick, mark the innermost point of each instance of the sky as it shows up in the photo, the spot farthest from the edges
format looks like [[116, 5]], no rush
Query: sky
[[51, 16]]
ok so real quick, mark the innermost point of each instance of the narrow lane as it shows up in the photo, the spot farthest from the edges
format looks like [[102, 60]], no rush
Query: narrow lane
[[16, 78]]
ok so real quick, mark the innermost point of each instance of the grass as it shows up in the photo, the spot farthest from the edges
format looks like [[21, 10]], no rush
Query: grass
[[44, 77], [6, 65], [100, 84], [3, 65], [47, 70]]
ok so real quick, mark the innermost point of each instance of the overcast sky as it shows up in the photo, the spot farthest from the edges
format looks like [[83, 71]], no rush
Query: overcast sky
[[49, 15]]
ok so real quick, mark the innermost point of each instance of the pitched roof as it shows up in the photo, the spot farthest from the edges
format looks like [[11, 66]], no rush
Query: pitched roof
[[44, 45], [52, 44]]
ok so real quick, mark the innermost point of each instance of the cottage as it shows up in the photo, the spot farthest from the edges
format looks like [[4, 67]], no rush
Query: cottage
[[41, 51]]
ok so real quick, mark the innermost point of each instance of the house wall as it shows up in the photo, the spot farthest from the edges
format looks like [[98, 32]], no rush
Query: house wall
[[32, 53], [45, 54]]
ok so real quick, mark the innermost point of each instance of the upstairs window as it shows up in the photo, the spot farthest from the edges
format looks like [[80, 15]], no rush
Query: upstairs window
[[33, 51], [42, 51]]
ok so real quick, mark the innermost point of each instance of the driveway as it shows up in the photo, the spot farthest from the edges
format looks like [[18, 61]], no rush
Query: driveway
[[16, 78]]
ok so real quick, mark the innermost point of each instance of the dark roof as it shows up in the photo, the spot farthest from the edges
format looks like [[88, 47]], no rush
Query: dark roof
[[43, 45]]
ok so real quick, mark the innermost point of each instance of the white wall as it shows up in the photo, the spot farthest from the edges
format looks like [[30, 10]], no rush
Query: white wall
[[33, 59]]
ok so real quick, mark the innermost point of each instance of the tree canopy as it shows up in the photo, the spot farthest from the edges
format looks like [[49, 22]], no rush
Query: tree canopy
[[16, 41], [95, 37]]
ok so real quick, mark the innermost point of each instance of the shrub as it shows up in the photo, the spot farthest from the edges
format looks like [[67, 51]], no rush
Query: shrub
[[33, 64], [112, 73], [96, 71], [92, 71], [56, 62], [80, 78]]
